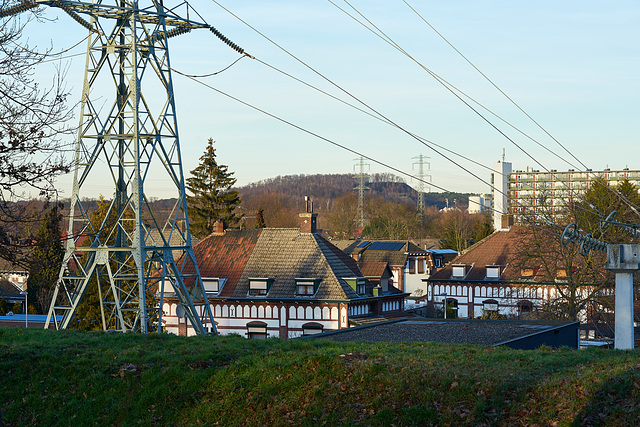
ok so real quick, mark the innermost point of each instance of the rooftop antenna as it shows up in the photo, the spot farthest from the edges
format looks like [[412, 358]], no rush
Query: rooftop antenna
[[503, 155], [131, 256]]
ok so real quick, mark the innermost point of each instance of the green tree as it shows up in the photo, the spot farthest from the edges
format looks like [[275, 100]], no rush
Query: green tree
[[578, 279], [260, 218], [17, 308], [46, 259], [212, 198], [599, 202], [482, 226], [3, 307], [89, 315]]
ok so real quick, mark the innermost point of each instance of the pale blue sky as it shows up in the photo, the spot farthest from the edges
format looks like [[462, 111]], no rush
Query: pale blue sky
[[572, 65]]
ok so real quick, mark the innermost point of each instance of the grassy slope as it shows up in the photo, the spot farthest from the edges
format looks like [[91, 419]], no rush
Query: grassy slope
[[74, 378]]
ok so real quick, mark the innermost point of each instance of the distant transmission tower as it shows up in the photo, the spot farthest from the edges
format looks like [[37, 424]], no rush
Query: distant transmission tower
[[421, 175], [130, 257], [361, 176]]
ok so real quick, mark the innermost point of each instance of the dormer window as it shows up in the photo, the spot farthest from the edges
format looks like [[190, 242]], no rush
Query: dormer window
[[493, 271], [213, 285], [459, 270], [526, 272], [306, 287], [357, 284], [260, 286]]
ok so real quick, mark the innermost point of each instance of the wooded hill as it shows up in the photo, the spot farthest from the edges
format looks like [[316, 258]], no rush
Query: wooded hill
[[325, 188]]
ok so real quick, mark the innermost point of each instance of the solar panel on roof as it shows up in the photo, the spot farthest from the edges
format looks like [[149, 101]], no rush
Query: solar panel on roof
[[386, 246], [363, 244]]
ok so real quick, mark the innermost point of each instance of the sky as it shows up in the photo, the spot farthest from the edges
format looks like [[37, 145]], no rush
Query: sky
[[572, 66]]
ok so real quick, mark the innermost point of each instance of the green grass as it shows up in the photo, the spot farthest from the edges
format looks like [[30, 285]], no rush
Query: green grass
[[81, 378]]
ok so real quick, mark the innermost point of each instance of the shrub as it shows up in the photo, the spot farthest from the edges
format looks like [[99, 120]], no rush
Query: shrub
[[17, 308]]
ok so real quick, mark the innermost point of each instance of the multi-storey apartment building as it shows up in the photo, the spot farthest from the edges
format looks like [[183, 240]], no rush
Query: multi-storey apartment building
[[532, 191]]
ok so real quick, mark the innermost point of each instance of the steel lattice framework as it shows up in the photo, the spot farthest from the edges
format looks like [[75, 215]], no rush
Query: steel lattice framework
[[131, 256]]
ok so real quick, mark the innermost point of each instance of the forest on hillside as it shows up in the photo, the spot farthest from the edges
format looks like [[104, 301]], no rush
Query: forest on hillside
[[390, 209]]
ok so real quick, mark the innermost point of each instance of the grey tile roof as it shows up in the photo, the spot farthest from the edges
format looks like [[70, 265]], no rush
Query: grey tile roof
[[287, 254]]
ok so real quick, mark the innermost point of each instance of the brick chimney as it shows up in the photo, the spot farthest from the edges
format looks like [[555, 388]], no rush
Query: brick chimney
[[218, 228], [308, 219]]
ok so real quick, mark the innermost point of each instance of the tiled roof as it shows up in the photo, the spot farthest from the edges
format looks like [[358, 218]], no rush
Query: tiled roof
[[282, 254], [499, 249], [225, 256], [373, 269], [287, 254], [8, 288], [396, 258]]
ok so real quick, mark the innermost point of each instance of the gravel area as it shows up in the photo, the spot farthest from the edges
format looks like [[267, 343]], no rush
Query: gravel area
[[469, 332]]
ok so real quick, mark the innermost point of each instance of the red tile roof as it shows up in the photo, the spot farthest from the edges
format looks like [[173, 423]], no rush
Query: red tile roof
[[499, 249], [226, 255]]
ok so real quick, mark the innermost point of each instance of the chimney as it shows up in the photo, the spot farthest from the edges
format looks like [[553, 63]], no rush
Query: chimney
[[218, 228], [308, 218], [507, 222]]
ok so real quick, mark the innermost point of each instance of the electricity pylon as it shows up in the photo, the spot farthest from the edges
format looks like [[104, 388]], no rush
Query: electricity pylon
[[421, 180], [362, 187], [130, 256]]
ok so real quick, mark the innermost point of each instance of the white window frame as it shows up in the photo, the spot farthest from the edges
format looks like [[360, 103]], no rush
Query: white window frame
[[259, 287], [459, 270]]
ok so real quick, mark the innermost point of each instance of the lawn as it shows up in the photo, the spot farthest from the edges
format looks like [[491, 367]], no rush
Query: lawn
[[82, 378]]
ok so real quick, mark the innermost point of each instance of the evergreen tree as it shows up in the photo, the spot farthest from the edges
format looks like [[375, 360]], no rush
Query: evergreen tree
[[89, 314], [46, 259], [212, 198], [260, 218]]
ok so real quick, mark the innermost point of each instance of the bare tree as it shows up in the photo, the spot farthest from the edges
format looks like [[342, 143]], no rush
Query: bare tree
[[33, 123]]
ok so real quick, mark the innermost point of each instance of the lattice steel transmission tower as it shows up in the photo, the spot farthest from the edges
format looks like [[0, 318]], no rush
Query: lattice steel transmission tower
[[421, 175], [131, 256], [361, 176]]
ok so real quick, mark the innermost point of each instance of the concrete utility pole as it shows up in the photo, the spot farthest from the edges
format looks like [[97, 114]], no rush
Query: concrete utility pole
[[421, 175], [128, 258], [623, 260], [361, 176]]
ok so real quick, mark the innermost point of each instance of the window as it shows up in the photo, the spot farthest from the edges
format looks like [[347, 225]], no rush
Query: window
[[420, 262], [312, 329], [459, 270], [490, 305], [260, 287], [493, 271], [256, 330], [306, 286], [358, 284], [412, 265], [525, 306], [213, 285], [526, 272]]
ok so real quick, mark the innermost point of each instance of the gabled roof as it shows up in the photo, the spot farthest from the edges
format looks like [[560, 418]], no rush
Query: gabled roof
[[373, 269], [225, 256], [498, 249], [287, 254], [9, 288], [283, 254]]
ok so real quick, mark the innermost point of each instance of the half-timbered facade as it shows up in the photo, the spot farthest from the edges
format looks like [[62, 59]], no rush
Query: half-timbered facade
[[281, 282]]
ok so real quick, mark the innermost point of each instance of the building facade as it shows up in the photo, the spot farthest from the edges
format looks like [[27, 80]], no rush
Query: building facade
[[281, 282], [530, 191]]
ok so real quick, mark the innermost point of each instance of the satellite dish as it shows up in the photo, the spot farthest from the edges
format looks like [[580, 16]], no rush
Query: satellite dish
[[180, 311]]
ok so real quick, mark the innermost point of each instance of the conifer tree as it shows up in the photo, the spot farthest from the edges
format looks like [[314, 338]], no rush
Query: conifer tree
[[260, 218], [46, 259], [212, 198]]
